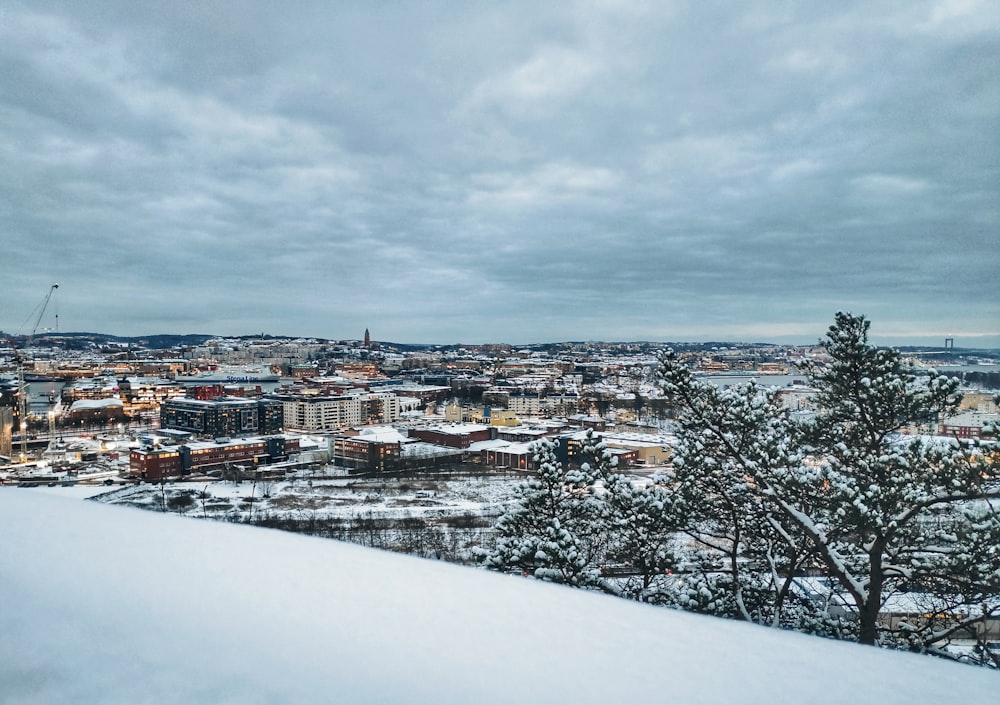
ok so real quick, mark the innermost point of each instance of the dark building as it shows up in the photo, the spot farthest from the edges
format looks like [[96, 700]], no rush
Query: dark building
[[224, 416], [569, 451], [152, 464], [456, 436], [366, 454]]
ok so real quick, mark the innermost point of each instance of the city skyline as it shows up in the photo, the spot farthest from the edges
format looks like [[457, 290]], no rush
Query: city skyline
[[453, 173], [48, 336]]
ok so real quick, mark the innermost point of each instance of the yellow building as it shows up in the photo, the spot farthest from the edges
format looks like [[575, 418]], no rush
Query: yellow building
[[495, 417], [650, 449]]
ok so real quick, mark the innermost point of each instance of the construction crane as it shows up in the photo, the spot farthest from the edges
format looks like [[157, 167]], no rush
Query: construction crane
[[22, 388]]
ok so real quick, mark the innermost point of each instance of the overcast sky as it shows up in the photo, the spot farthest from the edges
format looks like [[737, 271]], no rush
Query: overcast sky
[[476, 172]]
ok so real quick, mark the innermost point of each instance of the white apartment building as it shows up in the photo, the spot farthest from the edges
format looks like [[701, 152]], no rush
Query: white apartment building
[[304, 412], [528, 405]]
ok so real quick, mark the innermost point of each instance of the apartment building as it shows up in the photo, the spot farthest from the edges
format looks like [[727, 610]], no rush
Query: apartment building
[[154, 463], [366, 453], [224, 416], [309, 412]]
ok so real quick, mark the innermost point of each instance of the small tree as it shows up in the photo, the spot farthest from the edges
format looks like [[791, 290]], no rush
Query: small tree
[[640, 522], [591, 527], [549, 533]]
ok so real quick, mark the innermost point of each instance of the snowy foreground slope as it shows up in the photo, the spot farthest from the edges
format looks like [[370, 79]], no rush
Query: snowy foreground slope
[[104, 604]]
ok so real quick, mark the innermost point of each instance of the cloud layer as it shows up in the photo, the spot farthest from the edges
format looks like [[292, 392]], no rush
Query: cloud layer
[[482, 172]]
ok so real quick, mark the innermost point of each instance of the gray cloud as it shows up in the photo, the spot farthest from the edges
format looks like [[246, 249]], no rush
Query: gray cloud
[[464, 172]]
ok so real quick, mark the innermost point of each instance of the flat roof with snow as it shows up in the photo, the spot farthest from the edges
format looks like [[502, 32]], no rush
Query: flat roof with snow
[[457, 429]]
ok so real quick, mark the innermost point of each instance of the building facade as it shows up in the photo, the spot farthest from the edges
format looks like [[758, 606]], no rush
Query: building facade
[[456, 436], [514, 456], [224, 416], [366, 454], [154, 463], [312, 413]]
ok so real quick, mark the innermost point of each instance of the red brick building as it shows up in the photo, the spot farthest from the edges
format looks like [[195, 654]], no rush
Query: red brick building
[[457, 436], [154, 463], [368, 454]]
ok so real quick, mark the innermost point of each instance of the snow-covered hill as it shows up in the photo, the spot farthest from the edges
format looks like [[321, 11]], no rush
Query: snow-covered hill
[[114, 605]]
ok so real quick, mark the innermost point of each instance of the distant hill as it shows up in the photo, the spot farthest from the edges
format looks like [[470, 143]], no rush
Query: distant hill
[[162, 341], [154, 342]]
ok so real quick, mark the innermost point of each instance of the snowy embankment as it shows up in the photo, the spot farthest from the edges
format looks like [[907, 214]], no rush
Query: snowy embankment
[[113, 605]]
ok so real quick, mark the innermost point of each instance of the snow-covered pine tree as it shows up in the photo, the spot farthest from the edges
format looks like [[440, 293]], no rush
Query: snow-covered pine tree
[[885, 514], [640, 523], [592, 526], [899, 514], [551, 531], [744, 554]]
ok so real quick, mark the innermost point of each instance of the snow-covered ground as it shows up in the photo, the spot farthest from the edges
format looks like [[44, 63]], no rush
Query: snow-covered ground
[[71, 492], [325, 497], [444, 517], [112, 605]]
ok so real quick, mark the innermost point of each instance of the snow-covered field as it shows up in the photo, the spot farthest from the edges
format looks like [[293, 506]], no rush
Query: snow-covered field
[[439, 517], [323, 497], [111, 605], [71, 492]]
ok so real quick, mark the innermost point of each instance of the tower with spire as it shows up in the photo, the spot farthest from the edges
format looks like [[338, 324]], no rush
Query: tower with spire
[[368, 339]]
